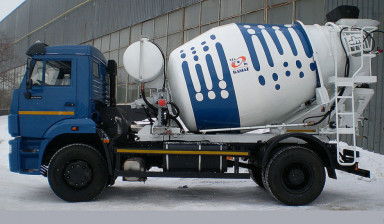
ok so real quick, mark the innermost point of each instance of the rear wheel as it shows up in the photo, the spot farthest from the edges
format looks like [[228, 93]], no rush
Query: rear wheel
[[256, 175], [295, 175], [77, 172]]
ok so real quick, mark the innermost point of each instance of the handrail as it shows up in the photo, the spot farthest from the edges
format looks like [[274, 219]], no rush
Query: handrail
[[51, 21]]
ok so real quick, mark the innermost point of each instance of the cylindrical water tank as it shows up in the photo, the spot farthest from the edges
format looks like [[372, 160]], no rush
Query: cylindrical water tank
[[241, 75]]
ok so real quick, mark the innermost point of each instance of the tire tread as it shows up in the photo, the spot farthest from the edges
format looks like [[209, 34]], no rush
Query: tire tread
[[266, 175], [60, 151]]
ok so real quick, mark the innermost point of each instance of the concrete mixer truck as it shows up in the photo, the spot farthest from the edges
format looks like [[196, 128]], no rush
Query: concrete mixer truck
[[273, 100]]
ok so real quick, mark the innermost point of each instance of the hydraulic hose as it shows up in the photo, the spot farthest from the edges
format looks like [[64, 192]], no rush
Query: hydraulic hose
[[145, 99], [176, 108], [162, 54]]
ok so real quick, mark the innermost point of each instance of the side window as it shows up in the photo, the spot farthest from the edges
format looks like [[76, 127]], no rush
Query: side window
[[58, 73], [37, 74], [52, 73], [95, 70]]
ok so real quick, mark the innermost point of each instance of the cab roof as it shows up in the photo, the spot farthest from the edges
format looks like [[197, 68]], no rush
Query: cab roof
[[43, 49]]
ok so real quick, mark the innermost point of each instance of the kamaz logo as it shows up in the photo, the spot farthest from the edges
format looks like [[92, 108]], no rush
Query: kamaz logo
[[239, 65]]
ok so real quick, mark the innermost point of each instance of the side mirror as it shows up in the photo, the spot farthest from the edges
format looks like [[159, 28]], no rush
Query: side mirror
[[112, 67], [112, 71], [30, 65], [29, 83]]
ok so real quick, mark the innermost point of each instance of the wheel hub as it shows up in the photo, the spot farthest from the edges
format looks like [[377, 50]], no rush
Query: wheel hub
[[78, 174], [296, 176]]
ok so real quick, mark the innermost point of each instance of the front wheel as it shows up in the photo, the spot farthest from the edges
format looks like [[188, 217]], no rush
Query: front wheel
[[77, 172], [295, 175]]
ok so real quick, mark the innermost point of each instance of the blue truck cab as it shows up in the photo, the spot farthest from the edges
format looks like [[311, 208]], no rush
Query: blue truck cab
[[58, 101]]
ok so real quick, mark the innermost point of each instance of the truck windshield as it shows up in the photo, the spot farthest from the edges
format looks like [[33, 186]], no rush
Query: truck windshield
[[52, 73]]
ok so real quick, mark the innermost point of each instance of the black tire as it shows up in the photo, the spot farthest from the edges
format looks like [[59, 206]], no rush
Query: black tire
[[77, 172], [256, 175], [294, 175]]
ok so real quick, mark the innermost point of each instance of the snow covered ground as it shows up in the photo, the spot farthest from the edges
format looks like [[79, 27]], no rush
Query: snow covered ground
[[32, 193]]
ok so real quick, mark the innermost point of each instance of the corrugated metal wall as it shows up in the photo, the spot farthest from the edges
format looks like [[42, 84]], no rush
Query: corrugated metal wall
[[59, 22], [372, 132]]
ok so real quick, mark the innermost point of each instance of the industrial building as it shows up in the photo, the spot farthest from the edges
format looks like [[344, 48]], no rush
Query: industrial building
[[113, 25]]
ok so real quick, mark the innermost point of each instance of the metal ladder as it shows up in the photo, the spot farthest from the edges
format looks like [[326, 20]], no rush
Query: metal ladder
[[342, 114], [356, 45]]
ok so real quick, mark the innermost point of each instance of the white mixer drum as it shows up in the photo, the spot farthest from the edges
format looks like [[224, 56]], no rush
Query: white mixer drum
[[242, 75]]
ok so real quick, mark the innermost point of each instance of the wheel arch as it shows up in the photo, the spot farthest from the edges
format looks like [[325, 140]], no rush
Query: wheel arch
[[316, 145], [62, 140]]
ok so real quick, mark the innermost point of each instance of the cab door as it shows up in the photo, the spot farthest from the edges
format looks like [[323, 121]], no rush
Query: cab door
[[52, 96]]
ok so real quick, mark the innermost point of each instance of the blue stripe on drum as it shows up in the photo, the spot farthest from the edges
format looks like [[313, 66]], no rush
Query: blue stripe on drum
[[304, 39], [270, 31], [249, 30], [260, 35], [289, 38], [200, 75], [212, 70], [215, 108], [275, 39], [187, 76]]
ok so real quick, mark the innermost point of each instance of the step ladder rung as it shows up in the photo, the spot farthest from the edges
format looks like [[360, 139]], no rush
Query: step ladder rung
[[369, 55], [346, 131], [345, 113], [345, 84], [344, 97], [350, 81]]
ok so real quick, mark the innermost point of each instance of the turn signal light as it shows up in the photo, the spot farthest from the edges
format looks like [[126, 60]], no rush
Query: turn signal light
[[74, 128]]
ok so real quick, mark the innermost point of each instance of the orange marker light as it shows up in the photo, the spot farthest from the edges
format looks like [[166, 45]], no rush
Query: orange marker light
[[106, 141], [229, 157], [74, 128]]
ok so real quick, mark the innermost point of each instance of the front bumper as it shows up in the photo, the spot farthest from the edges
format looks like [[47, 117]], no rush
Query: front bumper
[[24, 156], [14, 164]]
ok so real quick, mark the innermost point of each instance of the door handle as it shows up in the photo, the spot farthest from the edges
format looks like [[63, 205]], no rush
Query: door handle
[[69, 104]]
